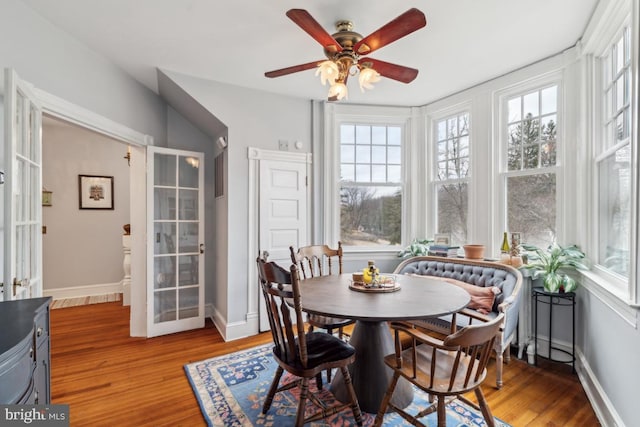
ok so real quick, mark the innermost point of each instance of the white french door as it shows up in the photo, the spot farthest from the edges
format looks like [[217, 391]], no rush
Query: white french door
[[283, 213], [21, 162], [175, 240]]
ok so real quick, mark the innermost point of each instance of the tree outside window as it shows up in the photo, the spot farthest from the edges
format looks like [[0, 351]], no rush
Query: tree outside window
[[531, 161], [370, 185], [452, 174]]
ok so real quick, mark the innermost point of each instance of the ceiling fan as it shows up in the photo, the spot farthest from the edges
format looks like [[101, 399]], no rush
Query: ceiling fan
[[345, 50]]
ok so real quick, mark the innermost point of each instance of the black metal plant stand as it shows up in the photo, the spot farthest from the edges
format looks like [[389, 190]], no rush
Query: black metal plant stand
[[554, 299]]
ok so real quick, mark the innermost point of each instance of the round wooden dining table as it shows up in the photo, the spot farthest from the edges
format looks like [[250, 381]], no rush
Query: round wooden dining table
[[417, 298]]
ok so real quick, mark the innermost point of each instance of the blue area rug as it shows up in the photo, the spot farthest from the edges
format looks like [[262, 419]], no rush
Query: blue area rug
[[231, 390]]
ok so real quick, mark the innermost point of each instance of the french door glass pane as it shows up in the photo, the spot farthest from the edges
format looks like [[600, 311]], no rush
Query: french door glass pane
[[164, 170], [164, 306], [188, 303]]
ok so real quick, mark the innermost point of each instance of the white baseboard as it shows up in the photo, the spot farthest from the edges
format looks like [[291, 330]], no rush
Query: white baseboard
[[83, 291], [602, 406], [235, 330]]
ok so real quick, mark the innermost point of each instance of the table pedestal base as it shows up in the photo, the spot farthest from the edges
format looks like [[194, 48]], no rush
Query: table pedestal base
[[369, 374]]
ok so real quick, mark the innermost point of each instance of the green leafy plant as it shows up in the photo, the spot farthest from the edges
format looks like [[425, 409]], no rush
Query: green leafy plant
[[416, 248], [546, 263]]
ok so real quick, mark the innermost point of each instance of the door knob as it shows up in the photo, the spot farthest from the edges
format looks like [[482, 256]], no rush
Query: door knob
[[201, 248]]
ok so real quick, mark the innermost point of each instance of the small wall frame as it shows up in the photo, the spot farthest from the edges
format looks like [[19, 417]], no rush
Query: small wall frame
[[95, 192]]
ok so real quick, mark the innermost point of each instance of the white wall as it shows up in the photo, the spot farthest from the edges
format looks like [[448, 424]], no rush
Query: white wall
[[55, 62], [257, 119], [81, 247]]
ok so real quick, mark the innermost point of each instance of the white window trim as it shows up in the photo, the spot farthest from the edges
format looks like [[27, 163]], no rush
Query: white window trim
[[621, 295], [335, 115], [500, 171]]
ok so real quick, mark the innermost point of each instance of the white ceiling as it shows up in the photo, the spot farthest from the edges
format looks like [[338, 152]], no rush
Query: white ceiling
[[464, 43]]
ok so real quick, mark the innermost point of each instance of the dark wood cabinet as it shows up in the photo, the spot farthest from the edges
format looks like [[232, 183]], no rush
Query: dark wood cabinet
[[25, 363]]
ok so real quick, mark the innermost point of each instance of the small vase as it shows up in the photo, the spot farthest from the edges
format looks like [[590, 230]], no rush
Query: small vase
[[552, 282]]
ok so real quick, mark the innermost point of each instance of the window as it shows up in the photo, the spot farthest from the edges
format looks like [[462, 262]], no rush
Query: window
[[370, 185], [452, 174], [613, 161], [531, 149]]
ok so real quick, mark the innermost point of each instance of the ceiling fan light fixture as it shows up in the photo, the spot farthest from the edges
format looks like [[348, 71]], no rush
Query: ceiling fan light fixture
[[367, 77], [338, 90], [328, 72]]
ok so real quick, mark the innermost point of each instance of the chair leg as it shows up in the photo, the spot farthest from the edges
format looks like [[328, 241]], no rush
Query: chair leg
[[355, 407], [386, 399], [319, 380], [486, 411], [330, 332], [442, 413], [499, 360], [304, 389], [272, 390]]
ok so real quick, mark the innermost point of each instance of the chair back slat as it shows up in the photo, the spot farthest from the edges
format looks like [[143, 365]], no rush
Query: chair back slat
[[317, 260], [281, 290]]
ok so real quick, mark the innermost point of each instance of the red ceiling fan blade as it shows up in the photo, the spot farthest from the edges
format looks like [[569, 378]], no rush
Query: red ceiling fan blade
[[315, 30], [392, 71], [293, 69], [404, 24]]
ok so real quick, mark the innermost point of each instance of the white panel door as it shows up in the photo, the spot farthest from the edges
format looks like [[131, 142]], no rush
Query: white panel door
[[175, 241], [283, 213], [21, 162]]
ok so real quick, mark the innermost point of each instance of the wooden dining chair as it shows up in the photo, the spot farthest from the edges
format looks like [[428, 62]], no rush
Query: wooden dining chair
[[445, 368], [321, 260], [303, 354]]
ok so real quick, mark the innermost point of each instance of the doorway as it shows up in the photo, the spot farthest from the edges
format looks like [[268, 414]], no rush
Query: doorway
[[82, 248]]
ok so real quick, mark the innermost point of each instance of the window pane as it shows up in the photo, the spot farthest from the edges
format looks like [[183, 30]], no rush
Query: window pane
[[347, 173], [394, 155], [514, 107], [549, 100], [378, 154], [614, 202], [453, 203], [347, 154], [452, 127], [363, 173], [442, 130], [394, 135], [363, 135], [363, 154], [370, 216], [378, 134], [394, 173], [530, 102], [347, 134], [378, 173], [453, 152], [531, 208]]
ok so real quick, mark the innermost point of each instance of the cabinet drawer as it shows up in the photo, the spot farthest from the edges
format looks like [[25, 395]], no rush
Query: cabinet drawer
[[41, 325], [16, 371]]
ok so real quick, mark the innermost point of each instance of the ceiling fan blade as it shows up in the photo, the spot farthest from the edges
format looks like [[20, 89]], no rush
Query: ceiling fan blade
[[293, 69], [403, 25], [315, 30], [392, 71]]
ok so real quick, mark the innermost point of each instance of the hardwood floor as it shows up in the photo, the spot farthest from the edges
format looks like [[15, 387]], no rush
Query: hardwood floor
[[111, 379]]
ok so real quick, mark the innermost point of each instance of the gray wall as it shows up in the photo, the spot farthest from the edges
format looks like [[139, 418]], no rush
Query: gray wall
[[81, 247], [181, 134], [53, 61]]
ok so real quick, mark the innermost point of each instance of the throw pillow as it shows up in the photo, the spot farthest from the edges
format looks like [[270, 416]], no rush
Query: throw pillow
[[482, 298]]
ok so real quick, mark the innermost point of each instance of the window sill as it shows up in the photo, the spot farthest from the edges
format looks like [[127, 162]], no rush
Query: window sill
[[614, 298]]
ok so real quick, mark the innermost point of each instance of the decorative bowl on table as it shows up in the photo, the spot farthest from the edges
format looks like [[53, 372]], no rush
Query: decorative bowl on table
[[384, 283]]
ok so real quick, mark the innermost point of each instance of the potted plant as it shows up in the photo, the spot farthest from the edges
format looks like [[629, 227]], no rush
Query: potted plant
[[416, 248], [548, 263]]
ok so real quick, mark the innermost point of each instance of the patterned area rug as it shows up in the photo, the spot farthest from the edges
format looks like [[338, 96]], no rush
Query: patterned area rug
[[231, 390]]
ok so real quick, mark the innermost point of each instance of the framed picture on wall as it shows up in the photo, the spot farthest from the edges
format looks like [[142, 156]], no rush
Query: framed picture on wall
[[96, 192]]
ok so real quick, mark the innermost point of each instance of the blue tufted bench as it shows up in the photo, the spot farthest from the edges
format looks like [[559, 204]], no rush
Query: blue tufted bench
[[477, 273]]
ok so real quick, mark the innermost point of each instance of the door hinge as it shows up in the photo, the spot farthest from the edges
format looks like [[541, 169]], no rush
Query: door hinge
[[306, 181]]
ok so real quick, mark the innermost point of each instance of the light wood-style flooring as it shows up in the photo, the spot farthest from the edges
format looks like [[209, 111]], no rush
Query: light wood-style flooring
[[111, 379]]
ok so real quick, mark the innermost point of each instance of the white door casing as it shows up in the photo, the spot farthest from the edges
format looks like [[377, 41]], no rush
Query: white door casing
[[175, 240], [283, 214], [22, 167]]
